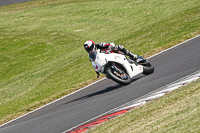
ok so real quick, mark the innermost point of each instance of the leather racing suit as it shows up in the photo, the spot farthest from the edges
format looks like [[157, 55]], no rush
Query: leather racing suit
[[111, 47]]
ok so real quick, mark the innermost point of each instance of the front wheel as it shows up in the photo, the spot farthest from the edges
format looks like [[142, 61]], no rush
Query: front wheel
[[147, 68], [118, 75]]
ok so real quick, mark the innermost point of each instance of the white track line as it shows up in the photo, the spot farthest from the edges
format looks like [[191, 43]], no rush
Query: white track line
[[91, 84], [150, 96], [174, 46], [132, 105], [52, 102], [143, 101]]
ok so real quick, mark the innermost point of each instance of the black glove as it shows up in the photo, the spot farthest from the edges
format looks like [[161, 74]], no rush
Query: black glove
[[102, 45], [97, 74]]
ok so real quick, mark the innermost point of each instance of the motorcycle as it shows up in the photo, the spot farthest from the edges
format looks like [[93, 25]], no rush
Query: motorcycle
[[119, 67]]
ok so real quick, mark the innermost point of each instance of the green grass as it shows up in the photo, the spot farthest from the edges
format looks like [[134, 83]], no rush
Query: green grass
[[41, 42], [176, 112]]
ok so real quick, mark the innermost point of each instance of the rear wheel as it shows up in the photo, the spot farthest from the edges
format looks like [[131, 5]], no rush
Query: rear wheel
[[118, 75]]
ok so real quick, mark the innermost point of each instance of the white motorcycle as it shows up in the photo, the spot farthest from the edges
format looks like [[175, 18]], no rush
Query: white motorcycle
[[118, 67]]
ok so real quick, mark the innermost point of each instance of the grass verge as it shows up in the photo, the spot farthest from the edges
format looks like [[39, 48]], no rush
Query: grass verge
[[41, 43], [177, 112]]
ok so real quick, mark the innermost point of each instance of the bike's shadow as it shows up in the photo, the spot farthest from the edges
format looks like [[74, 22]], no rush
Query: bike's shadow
[[106, 90]]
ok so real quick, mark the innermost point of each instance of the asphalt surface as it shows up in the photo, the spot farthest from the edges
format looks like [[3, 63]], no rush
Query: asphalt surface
[[106, 95], [9, 2]]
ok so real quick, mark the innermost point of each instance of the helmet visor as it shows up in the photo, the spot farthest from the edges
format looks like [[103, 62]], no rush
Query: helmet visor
[[87, 48]]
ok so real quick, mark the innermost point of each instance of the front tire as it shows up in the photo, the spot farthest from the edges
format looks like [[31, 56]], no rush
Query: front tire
[[118, 75], [147, 68]]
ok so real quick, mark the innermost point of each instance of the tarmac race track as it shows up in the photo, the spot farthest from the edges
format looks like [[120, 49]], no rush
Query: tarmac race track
[[9, 2], [105, 95]]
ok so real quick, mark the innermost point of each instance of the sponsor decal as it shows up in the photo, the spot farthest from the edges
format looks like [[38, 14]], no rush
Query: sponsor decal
[[95, 67]]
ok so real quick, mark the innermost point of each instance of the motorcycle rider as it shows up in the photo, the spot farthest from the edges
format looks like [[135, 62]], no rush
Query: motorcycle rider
[[108, 48]]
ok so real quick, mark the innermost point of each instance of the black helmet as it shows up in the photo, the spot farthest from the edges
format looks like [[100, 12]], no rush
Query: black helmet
[[89, 45]]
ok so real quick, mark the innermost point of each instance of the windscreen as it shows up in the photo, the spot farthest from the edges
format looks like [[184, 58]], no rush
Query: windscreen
[[92, 55]]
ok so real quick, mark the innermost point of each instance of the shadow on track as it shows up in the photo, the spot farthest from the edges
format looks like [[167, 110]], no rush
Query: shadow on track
[[108, 89]]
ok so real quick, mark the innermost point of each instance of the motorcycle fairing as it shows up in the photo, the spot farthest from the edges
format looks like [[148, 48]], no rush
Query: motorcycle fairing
[[102, 59]]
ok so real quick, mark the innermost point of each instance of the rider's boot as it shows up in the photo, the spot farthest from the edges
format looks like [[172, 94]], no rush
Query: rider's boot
[[126, 52]]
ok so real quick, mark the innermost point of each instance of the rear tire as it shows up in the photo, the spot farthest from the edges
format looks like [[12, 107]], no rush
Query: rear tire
[[122, 78]]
